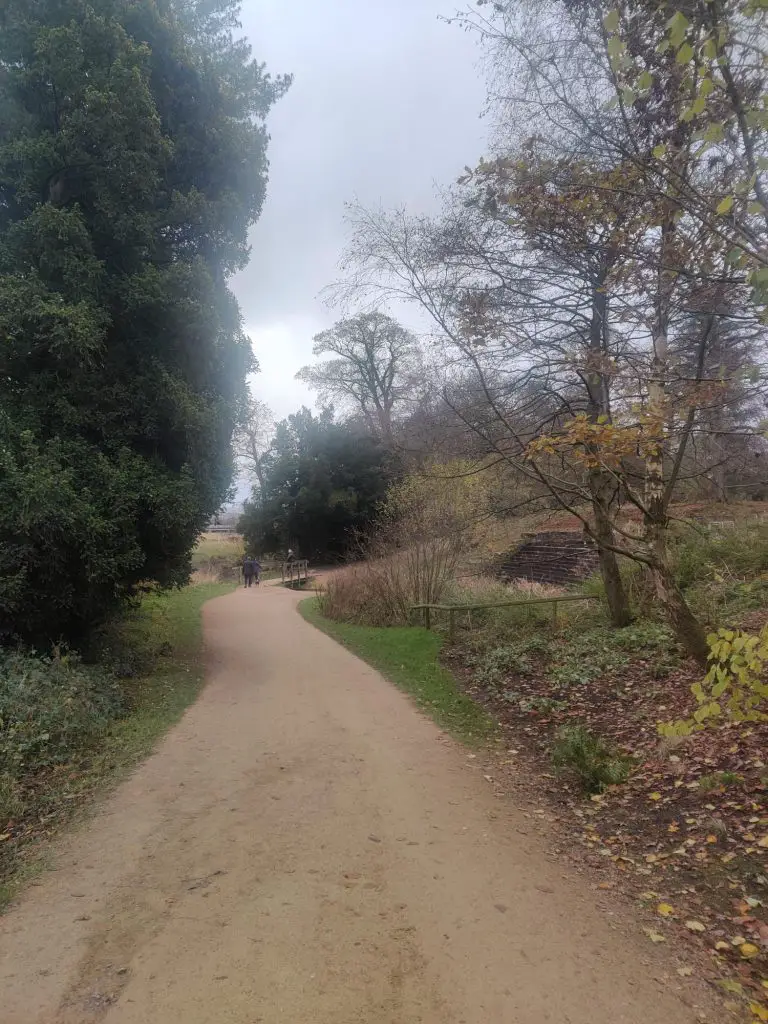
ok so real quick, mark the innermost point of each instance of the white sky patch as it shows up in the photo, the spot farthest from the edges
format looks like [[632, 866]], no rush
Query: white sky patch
[[282, 349], [386, 103]]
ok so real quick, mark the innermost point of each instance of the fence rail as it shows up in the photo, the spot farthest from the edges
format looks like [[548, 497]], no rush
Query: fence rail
[[452, 609], [296, 572]]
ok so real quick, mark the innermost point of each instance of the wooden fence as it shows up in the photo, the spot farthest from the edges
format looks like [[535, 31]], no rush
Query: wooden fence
[[296, 572], [452, 609]]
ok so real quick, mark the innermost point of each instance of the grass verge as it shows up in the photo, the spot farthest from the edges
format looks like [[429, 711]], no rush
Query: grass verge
[[156, 650], [408, 657]]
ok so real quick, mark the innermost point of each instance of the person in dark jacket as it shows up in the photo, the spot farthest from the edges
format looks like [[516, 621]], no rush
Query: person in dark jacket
[[247, 571]]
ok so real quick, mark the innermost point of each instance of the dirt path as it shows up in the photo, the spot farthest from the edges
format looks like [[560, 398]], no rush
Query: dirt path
[[306, 848]]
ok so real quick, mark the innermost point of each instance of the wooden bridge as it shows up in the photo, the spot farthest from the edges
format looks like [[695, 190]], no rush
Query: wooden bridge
[[295, 573]]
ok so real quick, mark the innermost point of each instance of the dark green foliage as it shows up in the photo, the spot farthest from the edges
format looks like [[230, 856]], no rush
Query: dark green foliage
[[494, 665], [49, 708], [132, 163], [579, 752], [323, 483], [712, 554]]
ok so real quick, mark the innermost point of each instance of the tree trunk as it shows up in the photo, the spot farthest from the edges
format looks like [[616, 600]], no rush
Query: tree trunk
[[689, 630], [602, 489], [602, 486]]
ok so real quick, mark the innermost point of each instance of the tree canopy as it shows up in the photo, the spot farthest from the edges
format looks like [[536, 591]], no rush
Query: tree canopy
[[323, 484], [132, 163], [371, 370]]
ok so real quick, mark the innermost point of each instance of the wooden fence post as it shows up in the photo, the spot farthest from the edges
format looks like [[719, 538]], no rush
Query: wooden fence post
[[451, 625], [427, 618]]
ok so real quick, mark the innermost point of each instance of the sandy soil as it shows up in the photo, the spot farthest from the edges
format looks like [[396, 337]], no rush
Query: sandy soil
[[306, 848]]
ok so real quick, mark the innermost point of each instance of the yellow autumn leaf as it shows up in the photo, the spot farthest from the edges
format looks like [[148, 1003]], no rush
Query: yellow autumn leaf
[[655, 796], [748, 951], [654, 936], [665, 909], [760, 1011], [763, 842], [695, 926], [725, 205]]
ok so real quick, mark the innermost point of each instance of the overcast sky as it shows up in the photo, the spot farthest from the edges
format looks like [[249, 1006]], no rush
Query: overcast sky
[[385, 104]]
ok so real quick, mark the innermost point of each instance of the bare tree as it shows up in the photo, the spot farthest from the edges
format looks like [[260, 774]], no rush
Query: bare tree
[[371, 370], [252, 439]]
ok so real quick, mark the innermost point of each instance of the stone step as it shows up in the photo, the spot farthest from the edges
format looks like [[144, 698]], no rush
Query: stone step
[[551, 557]]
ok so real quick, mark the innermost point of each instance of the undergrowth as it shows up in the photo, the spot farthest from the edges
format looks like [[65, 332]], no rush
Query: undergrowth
[[590, 759], [68, 727]]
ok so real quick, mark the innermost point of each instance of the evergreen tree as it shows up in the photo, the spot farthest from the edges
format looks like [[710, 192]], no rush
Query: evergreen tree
[[323, 483], [132, 163]]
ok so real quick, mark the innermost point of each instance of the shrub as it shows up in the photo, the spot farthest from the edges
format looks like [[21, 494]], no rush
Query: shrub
[[493, 665], [50, 709], [734, 688], [719, 780], [587, 757], [11, 799], [381, 591], [711, 554]]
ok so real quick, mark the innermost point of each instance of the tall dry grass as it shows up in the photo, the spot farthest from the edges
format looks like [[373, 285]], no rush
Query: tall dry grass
[[427, 526], [381, 590]]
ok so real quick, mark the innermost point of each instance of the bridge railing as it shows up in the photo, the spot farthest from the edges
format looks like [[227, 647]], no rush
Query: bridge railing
[[296, 572]]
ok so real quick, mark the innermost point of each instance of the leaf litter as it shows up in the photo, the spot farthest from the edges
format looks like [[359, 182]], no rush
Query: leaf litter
[[692, 819]]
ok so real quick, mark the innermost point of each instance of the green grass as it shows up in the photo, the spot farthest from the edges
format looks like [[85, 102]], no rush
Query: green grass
[[409, 658], [218, 548], [157, 649], [167, 630]]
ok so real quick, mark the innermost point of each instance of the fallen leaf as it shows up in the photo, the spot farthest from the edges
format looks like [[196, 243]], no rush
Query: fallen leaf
[[654, 936], [763, 842], [665, 909], [685, 972], [723, 946], [695, 926], [734, 987], [655, 796], [749, 951], [760, 1011], [728, 858]]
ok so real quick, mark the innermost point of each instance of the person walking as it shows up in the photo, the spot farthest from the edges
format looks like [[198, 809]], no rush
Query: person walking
[[256, 571], [247, 571]]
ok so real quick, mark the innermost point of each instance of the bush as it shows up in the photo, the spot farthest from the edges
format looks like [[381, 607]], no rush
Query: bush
[[49, 710], [589, 759], [381, 591], [124, 359], [720, 555], [494, 665]]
